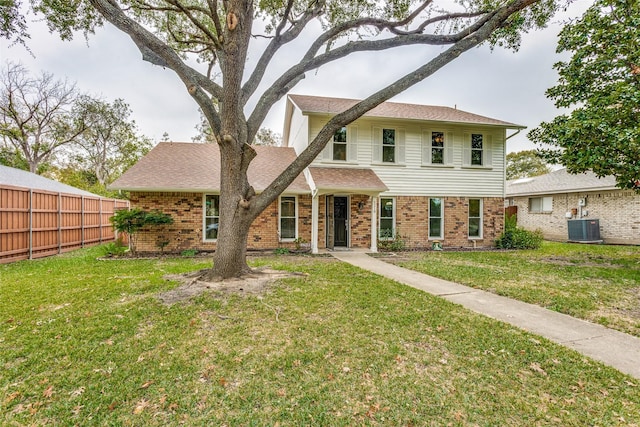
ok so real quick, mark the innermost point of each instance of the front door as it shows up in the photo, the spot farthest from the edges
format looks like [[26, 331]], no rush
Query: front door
[[340, 221]]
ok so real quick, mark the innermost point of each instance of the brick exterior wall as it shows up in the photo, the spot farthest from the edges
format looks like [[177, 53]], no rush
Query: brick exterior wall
[[618, 212], [186, 230], [411, 222]]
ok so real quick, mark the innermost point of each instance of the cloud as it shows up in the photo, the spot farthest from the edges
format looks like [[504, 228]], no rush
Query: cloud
[[500, 84]]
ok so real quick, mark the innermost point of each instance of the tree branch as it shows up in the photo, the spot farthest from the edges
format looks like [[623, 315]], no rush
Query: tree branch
[[492, 23], [148, 43], [276, 43]]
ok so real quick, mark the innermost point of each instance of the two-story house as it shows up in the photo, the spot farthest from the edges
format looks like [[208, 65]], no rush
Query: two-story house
[[422, 173]]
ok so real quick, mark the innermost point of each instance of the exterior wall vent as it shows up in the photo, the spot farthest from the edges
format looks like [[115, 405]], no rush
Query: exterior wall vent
[[584, 230]]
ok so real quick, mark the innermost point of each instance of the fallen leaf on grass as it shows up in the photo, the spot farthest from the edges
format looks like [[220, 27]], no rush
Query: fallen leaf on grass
[[537, 368], [48, 391], [77, 392], [147, 384], [12, 397], [112, 406], [140, 407]]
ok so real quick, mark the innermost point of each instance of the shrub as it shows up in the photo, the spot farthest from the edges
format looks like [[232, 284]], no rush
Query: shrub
[[131, 221], [112, 249], [189, 252], [391, 242], [515, 237]]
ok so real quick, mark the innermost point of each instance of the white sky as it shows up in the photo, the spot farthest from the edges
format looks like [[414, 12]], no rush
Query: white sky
[[499, 84]]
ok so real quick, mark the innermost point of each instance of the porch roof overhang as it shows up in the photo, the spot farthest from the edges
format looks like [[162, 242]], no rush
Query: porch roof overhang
[[346, 180]]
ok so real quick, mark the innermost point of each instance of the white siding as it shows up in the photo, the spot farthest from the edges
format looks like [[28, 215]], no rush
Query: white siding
[[299, 131], [412, 176]]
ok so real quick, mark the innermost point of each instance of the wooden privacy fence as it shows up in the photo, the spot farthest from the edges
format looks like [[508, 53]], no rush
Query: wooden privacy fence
[[39, 223]]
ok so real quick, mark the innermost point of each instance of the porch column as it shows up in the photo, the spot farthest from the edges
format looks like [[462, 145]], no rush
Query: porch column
[[374, 224], [314, 223]]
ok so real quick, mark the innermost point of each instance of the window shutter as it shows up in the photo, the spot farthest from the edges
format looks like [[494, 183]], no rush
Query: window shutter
[[466, 149], [377, 145], [352, 143], [426, 147], [400, 146], [448, 148], [486, 150], [327, 153]]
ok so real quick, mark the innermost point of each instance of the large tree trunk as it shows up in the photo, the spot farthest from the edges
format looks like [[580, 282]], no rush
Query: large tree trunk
[[235, 213]]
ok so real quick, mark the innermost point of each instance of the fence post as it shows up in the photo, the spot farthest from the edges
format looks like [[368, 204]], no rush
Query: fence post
[[82, 221], [59, 223], [30, 223]]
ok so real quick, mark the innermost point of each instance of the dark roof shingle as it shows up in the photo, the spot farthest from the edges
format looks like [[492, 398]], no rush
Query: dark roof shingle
[[559, 181], [182, 167], [326, 105]]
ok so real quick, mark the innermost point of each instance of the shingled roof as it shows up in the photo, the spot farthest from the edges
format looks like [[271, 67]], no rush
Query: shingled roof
[[325, 105], [20, 178], [195, 167], [363, 181], [559, 181]]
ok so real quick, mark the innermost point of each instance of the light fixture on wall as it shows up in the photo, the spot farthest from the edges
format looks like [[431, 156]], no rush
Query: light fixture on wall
[[360, 206]]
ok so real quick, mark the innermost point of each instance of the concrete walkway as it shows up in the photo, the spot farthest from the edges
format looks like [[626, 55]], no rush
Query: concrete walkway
[[616, 349]]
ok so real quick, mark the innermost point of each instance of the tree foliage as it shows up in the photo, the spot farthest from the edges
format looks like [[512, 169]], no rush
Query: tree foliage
[[131, 221], [601, 82], [109, 143], [36, 116], [220, 35], [523, 164]]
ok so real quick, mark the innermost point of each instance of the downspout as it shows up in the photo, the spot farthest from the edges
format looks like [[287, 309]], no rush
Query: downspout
[[512, 135]]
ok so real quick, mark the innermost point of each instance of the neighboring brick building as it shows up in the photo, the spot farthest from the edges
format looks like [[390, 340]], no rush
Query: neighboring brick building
[[548, 202], [421, 173]]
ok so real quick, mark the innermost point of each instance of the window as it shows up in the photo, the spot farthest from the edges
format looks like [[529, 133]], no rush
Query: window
[[435, 218], [389, 145], [387, 219], [211, 216], [437, 148], [288, 218], [475, 218], [476, 149], [340, 144], [540, 204]]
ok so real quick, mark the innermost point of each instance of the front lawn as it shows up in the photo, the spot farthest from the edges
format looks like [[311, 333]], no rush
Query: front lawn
[[87, 342], [599, 283]]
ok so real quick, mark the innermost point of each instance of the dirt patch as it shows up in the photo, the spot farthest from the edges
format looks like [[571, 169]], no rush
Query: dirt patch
[[193, 284]]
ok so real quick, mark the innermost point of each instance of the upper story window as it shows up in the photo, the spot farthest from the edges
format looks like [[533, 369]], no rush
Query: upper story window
[[437, 147], [340, 144], [476, 149], [211, 216], [388, 145], [343, 146]]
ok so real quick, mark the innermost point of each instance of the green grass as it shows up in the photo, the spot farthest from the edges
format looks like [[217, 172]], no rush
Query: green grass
[[598, 283], [87, 342]]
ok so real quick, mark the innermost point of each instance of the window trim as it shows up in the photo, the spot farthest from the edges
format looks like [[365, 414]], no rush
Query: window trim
[[280, 217], [205, 216], [345, 144], [441, 217], [480, 219], [487, 149], [393, 218], [542, 209]]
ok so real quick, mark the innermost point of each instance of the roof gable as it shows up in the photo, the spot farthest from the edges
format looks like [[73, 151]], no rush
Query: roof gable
[[326, 105], [195, 167]]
